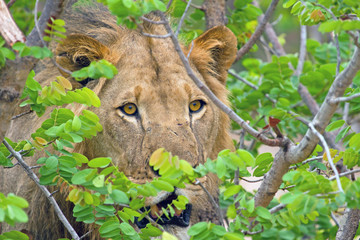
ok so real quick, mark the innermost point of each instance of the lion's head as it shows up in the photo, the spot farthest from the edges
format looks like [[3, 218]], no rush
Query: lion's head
[[153, 103]]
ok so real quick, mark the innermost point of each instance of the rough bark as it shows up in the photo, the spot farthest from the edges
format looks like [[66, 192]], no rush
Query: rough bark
[[348, 225], [291, 153], [214, 13]]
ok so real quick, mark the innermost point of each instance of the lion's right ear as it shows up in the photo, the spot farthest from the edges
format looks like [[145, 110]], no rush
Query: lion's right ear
[[78, 50]]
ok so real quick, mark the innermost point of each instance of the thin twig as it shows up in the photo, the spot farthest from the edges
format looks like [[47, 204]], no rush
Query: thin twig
[[355, 38], [156, 36], [21, 114], [194, 6], [328, 155], [344, 99], [86, 234], [259, 30], [334, 219], [182, 18], [10, 3], [307, 161], [251, 181], [277, 208], [191, 48], [252, 233], [51, 199], [215, 205], [302, 51], [345, 174], [152, 21]]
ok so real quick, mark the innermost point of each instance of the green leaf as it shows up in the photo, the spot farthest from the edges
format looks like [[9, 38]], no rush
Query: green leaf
[[263, 213], [232, 190], [246, 157], [119, 196], [354, 142], [127, 229], [99, 181], [335, 125], [76, 124], [100, 162], [197, 228], [162, 185], [80, 177], [51, 162]]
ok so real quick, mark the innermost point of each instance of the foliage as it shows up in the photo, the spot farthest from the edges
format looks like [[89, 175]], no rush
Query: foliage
[[105, 197]]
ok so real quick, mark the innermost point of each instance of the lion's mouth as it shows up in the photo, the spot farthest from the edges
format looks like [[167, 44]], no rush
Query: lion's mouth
[[181, 217]]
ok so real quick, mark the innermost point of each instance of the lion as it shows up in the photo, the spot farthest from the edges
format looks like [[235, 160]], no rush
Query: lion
[[151, 103]]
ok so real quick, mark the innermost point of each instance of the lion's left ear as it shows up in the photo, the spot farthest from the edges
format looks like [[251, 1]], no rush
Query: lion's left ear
[[214, 52]]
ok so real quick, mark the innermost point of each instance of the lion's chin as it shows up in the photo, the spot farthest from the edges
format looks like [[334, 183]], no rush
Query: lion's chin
[[181, 218]]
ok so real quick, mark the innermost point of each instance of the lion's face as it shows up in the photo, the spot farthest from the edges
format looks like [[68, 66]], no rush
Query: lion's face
[[153, 103]]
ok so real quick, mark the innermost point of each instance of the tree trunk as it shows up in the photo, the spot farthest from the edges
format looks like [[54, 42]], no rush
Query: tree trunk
[[214, 13]]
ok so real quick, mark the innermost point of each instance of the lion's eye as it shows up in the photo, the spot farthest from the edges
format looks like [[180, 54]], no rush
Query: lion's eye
[[196, 106], [129, 109]]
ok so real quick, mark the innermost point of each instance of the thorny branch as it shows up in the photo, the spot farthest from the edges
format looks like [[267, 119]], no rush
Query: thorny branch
[[46, 192]]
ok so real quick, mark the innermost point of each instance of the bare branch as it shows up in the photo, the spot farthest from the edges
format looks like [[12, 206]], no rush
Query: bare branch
[[215, 205], [348, 225], [182, 18], [46, 192], [9, 30], [292, 153], [302, 51], [156, 36], [307, 161], [344, 99], [345, 174], [259, 30], [152, 21], [335, 219], [21, 114], [194, 6], [328, 155], [277, 208], [356, 38], [251, 181], [232, 73], [10, 3]]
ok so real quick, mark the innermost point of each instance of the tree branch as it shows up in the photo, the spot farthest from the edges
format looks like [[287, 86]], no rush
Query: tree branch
[[291, 153], [348, 225], [46, 192], [328, 155], [9, 30], [259, 30], [344, 99]]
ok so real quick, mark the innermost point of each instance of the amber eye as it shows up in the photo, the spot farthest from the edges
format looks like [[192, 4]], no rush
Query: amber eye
[[196, 106], [129, 109]]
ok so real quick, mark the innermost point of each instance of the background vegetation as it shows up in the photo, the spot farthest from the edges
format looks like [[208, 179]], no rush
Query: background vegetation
[[297, 85]]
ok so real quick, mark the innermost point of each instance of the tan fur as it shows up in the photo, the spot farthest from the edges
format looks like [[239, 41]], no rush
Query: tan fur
[[150, 75]]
